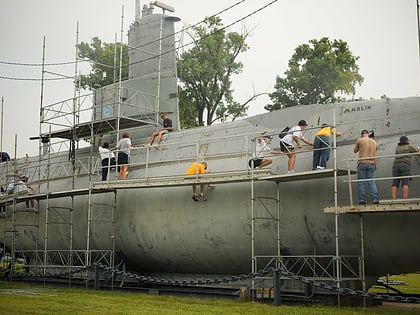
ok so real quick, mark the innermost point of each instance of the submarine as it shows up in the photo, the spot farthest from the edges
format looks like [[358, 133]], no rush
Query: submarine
[[251, 219]]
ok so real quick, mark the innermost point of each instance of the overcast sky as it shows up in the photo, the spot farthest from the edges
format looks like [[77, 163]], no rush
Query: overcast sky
[[383, 33]]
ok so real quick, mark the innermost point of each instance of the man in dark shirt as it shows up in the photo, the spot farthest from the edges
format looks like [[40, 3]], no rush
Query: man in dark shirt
[[167, 127], [5, 157]]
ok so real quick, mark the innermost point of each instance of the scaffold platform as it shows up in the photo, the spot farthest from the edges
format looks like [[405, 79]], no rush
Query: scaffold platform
[[307, 175], [179, 180], [397, 205]]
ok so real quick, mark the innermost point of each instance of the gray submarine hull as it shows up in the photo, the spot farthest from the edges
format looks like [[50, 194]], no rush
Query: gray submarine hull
[[162, 230]]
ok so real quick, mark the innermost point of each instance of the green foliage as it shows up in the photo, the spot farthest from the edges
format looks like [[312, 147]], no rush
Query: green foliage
[[205, 73], [317, 73], [187, 112], [103, 57]]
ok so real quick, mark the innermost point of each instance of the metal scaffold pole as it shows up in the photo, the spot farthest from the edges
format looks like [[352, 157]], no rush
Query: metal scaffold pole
[[336, 217]]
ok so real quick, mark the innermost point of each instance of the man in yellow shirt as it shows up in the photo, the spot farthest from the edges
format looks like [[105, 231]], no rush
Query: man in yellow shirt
[[193, 169], [322, 147]]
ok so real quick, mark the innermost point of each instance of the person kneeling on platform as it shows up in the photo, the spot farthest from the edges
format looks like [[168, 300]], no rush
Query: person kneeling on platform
[[21, 188], [262, 147]]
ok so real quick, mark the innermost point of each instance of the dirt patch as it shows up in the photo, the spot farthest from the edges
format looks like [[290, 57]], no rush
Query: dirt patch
[[29, 292], [413, 307]]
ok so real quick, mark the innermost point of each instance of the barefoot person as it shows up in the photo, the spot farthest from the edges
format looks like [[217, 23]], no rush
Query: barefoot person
[[123, 147]]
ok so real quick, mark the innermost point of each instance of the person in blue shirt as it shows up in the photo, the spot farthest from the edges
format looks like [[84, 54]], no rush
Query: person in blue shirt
[[5, 157]]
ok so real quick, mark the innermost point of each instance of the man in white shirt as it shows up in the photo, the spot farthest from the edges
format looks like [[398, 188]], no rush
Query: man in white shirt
[[287, 143], [262, 148], [107, 157]]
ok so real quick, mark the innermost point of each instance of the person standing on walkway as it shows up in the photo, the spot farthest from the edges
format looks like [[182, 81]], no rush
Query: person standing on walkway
[[322, 147], [107, 157], [366, 166], [402, 167], [287, 144], [123, 147]]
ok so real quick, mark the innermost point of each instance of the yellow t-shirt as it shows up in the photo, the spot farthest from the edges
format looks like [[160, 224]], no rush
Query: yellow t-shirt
[[325, 131], [192, 169]]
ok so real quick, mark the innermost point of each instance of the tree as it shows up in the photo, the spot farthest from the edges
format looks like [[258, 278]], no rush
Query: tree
[[205, 73], [317, 73], [103, 57]]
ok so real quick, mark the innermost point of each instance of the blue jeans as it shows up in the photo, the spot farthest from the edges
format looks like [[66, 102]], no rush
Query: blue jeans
[[321, 151], [367, 171]]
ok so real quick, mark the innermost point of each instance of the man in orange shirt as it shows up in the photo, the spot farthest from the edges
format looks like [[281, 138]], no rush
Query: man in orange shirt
[[193, 169], [366, 166]]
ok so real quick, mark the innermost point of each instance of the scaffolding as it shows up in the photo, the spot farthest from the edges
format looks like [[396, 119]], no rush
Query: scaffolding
[[334, 268], [266, 208]]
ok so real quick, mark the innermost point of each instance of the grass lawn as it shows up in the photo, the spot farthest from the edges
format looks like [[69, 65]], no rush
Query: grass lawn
[[20, 298], [410, 284]]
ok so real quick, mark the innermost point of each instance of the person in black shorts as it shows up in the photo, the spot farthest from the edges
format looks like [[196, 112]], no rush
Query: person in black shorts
[[287, 143]]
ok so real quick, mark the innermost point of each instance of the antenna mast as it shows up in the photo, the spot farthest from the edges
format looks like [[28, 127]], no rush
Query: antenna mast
[[137, 10]]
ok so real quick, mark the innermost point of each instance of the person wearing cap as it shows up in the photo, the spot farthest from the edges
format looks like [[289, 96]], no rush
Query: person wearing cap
[[293, 139], [322, 145], [402, 166], [366, 166]]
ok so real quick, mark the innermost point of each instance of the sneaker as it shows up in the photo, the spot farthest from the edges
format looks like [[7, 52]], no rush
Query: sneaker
[[195, 197], [290, 172], [362, 203], [320, 168], [203, 197], [146, 145], [376, 202]]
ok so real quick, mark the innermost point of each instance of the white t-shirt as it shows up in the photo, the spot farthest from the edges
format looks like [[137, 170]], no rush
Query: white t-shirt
[[262, 148], [20, 187], [295, 131], [106, 153]]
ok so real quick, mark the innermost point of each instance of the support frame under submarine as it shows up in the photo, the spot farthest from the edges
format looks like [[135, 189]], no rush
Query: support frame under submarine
[[151, 219]]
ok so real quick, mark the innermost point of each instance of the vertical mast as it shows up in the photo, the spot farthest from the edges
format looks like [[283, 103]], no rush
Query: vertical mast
[[1, 127], [120, 75], [418, 27], [137, 10]]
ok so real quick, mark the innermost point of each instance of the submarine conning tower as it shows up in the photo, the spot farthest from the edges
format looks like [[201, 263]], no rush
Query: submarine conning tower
[[151, 86]]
